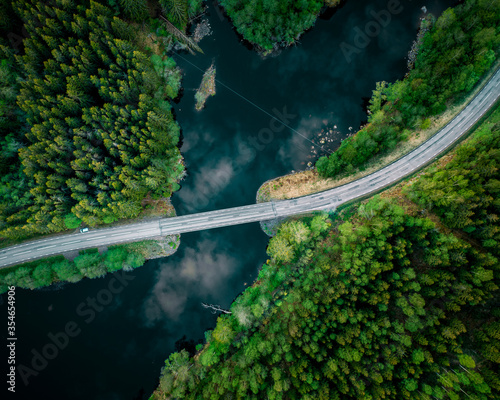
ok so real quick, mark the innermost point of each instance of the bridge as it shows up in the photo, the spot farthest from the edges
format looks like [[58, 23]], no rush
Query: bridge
[[327, 200]]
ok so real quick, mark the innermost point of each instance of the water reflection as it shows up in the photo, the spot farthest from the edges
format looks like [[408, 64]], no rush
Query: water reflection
[[119, 354], [207, 266]]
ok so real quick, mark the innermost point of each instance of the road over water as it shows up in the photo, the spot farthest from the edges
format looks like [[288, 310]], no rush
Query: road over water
[[327, 200]]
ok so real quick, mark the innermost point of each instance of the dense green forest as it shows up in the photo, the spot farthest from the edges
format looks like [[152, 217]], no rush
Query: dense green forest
[[86, 128], [466, 194], [459, 48], [271, 23], [383, 301]]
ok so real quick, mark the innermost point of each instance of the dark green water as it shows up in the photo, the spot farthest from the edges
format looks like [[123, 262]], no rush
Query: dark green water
[[118, 353]]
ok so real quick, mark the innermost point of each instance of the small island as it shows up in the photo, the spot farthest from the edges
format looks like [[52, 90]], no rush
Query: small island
[[207, 88]]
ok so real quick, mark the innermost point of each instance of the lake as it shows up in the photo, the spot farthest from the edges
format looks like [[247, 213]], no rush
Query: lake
[[230, 147]]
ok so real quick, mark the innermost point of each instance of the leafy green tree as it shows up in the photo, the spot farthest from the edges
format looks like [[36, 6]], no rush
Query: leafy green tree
[[271, 23], [90, 265], [72, 221], [67, 271], [280, 249], [42, 275]]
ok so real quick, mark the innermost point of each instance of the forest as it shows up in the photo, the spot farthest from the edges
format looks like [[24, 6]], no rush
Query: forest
[[270, 24], [388, 299], [86, 127], [459, 48], [466, 194]]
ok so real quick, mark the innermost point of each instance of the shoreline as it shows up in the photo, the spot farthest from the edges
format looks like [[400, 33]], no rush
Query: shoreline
[[149, 249], [303, 183]]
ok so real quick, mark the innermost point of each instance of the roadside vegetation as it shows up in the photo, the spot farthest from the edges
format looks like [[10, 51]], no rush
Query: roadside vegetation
[[270, 24], [372, 148], [87, 264], [465, 193], [389, 299], [306, 182], [459, 48]]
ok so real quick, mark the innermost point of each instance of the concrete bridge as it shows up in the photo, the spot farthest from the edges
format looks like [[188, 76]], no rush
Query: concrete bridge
[[327, 200]]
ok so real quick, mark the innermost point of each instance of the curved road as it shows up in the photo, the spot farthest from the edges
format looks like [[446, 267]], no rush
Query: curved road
[[329, 199]]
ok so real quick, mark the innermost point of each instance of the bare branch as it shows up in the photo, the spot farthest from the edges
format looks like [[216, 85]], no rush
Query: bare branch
[[215, 309]]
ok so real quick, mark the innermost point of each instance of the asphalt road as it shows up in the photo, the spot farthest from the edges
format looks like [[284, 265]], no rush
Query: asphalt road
[[327, 200]]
